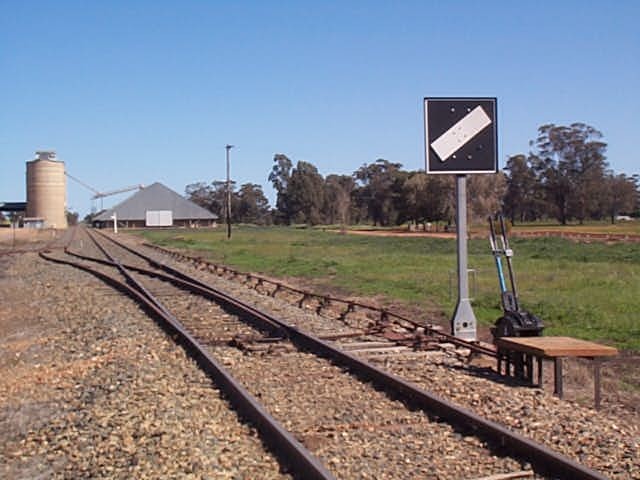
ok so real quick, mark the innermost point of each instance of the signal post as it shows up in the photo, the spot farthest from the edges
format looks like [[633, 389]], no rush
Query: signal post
[[460, 139]]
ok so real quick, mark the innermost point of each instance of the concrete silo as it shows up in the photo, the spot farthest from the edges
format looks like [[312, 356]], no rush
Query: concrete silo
[[47, 190]]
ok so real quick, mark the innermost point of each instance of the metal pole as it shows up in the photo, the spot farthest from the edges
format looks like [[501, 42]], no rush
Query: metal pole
[[463, 324], [508, 253], [228, 147]]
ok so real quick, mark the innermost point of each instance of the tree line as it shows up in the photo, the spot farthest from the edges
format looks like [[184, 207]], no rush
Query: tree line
[[565, 176]]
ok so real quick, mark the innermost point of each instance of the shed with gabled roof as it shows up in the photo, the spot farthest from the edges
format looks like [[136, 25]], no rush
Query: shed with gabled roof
[[156, 206]]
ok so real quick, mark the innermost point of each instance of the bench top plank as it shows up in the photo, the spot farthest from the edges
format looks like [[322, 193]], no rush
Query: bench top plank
[[556, 347]]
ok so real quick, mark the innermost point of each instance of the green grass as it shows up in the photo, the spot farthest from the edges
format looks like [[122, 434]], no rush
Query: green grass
[[590, 291]]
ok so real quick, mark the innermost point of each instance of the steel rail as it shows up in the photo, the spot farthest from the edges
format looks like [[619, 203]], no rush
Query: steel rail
[[542, 458], [283, 444], [384, 313], [264, 324]]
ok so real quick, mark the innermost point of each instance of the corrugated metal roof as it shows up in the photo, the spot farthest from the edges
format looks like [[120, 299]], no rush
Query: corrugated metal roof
[[13, 206], [156, 197]]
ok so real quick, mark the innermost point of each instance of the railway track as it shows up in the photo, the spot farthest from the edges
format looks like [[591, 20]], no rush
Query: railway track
[[346, 411], [357, 318]]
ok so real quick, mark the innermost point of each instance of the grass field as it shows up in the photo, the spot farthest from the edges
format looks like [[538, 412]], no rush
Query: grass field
[[590, 291], [620, 227]]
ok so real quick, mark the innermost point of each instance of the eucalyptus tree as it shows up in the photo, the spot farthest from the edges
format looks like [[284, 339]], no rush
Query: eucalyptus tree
[[305, 194], [524, 197], [213, 197], [338, 192], [380, 189], [252, 205], [570, 163], [621, 195], [279, 177], [200, 193], [485, 194], [415, 192]]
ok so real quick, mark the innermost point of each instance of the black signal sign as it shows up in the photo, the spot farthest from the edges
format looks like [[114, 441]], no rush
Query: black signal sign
[[461, 135]]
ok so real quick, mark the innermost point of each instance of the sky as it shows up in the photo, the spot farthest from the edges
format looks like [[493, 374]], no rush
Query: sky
[[134, 92]]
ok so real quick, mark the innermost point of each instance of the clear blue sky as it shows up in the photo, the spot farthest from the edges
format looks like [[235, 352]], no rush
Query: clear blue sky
[[134, 92]]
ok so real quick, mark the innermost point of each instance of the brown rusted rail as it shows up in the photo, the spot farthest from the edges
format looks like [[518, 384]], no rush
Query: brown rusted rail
[[185, 284], [543, 459], [384, 314]]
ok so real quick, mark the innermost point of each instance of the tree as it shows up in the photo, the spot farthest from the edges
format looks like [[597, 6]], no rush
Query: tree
[[212, 197], [523, 198], [380, 190], [279, 177], [305, 194], [201, 194], [571, 163], [621, 195], [415, 193], [485, 194], [72, 217], [338, 190], [442, 198], [252, 205]]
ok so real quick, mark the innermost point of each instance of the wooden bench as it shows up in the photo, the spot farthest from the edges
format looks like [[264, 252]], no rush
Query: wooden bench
[[555, 348]]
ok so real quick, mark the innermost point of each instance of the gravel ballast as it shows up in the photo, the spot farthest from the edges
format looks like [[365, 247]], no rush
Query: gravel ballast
[[354, 428], [91, 388], [87, 391], [599, 440]]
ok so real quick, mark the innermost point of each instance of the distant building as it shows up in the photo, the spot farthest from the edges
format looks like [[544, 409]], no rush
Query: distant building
[[12, 213], [156, 206]]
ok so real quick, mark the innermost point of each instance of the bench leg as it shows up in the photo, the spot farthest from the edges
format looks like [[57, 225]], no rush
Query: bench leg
[[557, 361], [596, 382], [518, 365], [529, 362]]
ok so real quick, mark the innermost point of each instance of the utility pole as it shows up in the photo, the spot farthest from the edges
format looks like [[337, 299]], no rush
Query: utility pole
[[228, 147]]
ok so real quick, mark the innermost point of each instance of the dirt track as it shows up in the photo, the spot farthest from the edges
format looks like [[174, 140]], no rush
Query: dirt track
[[400, 233]]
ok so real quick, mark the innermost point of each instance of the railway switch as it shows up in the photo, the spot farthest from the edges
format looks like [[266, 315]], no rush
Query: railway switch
[[515, 321]]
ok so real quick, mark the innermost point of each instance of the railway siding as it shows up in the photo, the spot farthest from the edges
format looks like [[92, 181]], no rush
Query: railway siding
[[356, 429], [588, 437], [597, 439]]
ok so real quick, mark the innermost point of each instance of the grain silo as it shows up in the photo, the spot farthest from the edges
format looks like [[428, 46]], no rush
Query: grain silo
[[47, 190]]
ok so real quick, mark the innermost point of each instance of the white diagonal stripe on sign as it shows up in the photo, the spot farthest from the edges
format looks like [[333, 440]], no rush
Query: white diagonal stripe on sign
[[464, 130]]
